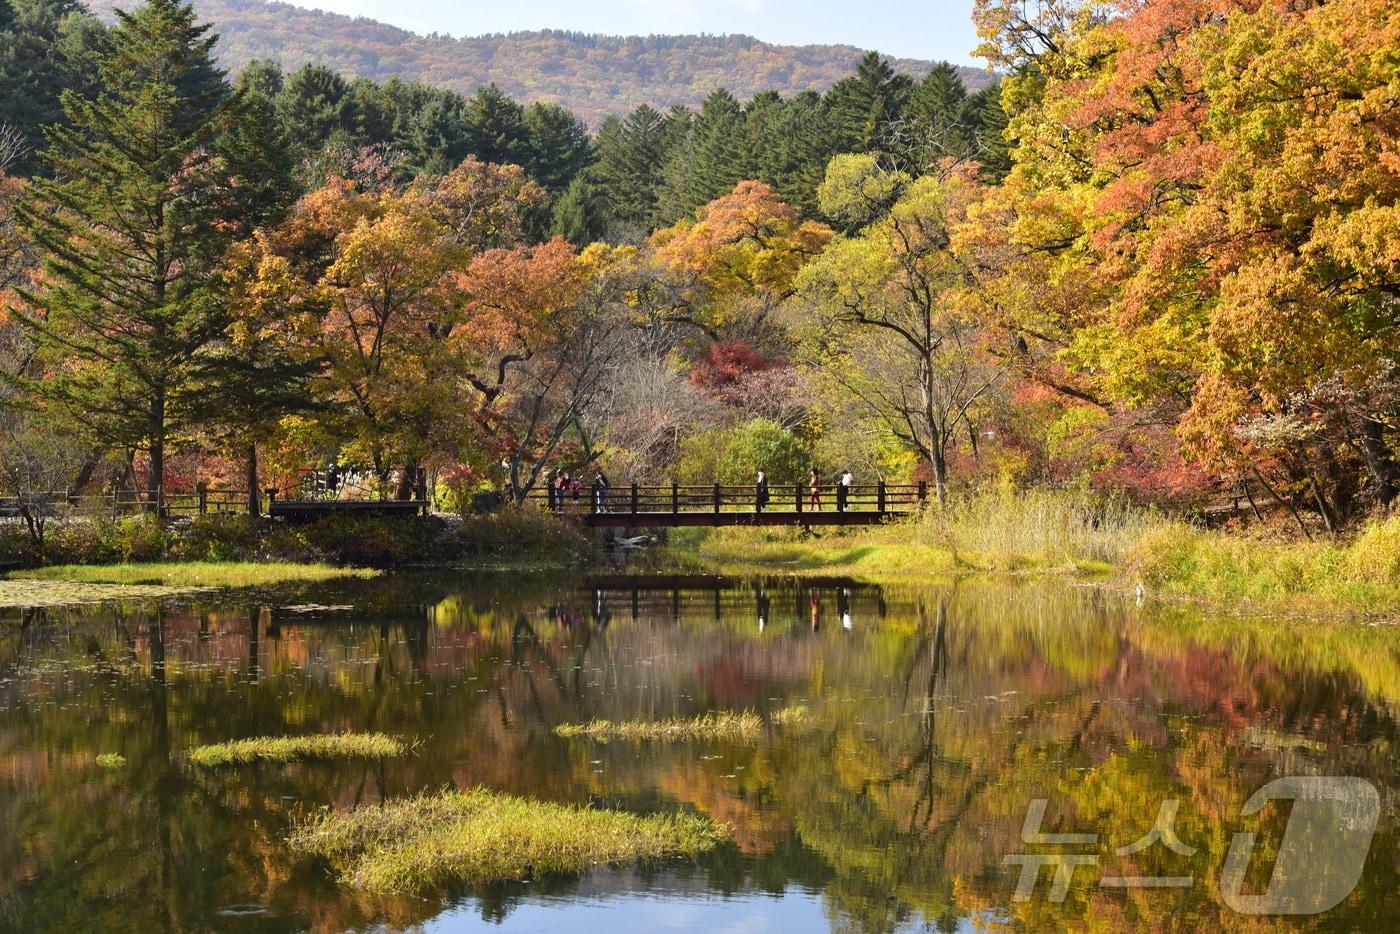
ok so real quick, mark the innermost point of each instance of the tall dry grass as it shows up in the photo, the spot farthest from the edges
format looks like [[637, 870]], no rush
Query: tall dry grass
[[1016, 529]]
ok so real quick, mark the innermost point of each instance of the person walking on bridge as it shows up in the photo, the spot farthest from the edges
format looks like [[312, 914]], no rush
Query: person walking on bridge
[[760, 493], [843, 490], [814, 490]]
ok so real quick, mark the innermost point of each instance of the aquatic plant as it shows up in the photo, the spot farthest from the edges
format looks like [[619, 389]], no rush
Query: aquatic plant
[[290, 748], [419, 843], [193, 573], [111, 760], [722, 724]]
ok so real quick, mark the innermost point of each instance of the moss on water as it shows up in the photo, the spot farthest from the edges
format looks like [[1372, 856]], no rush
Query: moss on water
[[426, 842]]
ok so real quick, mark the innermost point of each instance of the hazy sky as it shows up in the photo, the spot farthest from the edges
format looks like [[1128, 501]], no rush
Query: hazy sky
[[930, 29]]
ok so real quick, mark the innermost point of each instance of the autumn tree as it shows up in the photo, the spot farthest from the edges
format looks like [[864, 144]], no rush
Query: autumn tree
[[542, 333], [886, 333], [739, 257], [388, 294]]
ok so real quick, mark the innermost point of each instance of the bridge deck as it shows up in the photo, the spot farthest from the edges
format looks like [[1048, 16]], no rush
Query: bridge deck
[[719, 505]]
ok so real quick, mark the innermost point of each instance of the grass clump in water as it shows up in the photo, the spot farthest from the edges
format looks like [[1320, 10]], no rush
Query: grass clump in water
[[111, 760], [194, 573], [291, 748], [416, 844], [715, 725]]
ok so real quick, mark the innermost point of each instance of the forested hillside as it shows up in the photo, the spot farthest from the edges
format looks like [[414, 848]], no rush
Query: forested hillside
[[591, 75]]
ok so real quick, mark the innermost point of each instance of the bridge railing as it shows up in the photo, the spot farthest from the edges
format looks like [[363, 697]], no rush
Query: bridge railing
[[690, 499]]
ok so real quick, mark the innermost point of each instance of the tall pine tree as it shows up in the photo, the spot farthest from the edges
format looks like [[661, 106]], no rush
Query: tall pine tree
[[131, 230]]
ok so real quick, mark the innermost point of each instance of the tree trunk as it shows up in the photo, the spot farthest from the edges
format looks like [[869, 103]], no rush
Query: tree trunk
[[254, 497], [84, 474], [155, 477], [1379, 461], [940, 477]]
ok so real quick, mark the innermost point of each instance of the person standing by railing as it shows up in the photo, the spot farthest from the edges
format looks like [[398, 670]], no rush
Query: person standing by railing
[[600, 492], [760, 493], [561, 489], [814, 490], [843, 490]]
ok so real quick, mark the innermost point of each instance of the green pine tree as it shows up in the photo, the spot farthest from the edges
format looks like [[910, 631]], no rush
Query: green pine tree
[[131, 231], [46, 47], [719, 154], [860, 107], [578, 214], [496, 128], [559, 146], [314, 104], [629, 167], [258, 159]]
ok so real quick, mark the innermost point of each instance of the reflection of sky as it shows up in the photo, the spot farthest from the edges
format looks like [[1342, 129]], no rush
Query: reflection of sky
[[794, 912]]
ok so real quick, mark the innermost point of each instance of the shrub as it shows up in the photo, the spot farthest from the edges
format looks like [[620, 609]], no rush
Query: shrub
[[521, 533], [135, 538], [219, 537], [736, 455]]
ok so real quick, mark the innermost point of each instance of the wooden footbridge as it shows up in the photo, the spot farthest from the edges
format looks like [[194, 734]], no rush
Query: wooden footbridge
[[319, 494], [677, 506]]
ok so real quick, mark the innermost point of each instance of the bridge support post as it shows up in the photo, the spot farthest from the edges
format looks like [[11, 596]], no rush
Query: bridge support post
[[923, 491], [717, 498], [880, 496], [675, 499], [202, 489], [797, 495], [636, 499]]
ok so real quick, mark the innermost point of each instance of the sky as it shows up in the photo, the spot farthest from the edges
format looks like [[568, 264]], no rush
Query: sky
[[926, 29]]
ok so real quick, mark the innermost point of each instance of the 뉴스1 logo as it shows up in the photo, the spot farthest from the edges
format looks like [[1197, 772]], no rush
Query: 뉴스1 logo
[[1319, 862]]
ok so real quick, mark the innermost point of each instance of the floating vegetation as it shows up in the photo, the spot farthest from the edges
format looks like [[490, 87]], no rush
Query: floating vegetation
[[46, 593], [420, 843], [722, 724], [188, 574], [291, 748], [111, 760]]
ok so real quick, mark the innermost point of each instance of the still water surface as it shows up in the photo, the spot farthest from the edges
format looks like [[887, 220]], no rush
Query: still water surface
[[936, 715]]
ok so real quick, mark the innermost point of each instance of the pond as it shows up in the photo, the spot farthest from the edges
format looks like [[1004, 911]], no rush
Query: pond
[[937, 716]]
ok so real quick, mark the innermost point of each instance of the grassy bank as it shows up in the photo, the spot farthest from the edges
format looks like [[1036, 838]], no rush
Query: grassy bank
[[194, 574], [294, 748], [718, 725], [1359, 574], [510, 537], [418, 844], [1039, 532]]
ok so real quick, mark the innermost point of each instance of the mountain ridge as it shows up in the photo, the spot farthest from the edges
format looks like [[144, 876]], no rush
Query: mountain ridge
[[592, 74]]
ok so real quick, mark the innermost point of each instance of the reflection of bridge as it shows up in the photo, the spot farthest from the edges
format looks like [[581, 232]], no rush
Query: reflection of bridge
[[677, 505], [806, 600]]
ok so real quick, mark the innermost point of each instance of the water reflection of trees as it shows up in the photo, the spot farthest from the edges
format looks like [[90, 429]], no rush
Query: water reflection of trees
[[934, 719]]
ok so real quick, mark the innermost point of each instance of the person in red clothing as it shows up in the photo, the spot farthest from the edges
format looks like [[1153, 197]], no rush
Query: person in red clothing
[[814, 490]]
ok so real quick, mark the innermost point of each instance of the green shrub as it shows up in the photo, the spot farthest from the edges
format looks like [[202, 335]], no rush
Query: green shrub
[[135, 538], [220, 537], [521, 533], [736, 455]]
